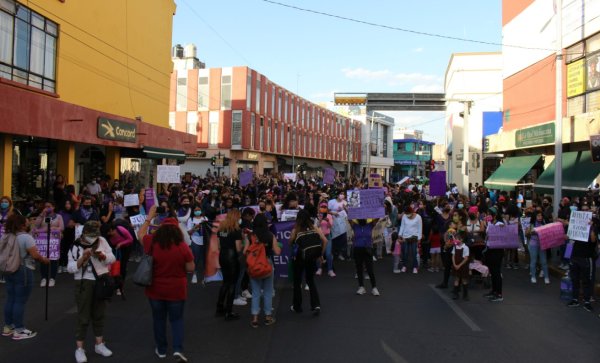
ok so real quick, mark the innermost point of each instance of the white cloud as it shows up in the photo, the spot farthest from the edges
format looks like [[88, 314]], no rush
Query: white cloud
[[426, 82], [418, 50], [428, 88]]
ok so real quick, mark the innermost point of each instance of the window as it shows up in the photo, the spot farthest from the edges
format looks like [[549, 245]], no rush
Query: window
[[248, 90], [27, 46], [269, 135], [225, 91], [285, 108], [273, 101], [279, 104], [192, 122], [275, 141], [236, 129], [265, 109], [213, 128], [281, 138], [261, 134], [203, 90], [181, 94], [258, 93], [252, 127]]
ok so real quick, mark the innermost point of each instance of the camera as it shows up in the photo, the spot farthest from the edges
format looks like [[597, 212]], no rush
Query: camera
[[47, 220]]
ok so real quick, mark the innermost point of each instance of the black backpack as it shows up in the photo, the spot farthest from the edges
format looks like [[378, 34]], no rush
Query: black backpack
[[309, 244]]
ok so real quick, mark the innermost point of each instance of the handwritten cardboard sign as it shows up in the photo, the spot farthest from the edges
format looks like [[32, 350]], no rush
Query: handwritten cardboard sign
[[551, 235], [168, 174], [137, 220], [366, 203], [375, 181], [131, 200], [289, 176], [503, 236], [579, 226], [41, 242]]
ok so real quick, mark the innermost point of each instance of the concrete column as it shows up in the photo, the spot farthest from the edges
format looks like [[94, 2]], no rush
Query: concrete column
[[113, 162], [66, 161], [6, 155]]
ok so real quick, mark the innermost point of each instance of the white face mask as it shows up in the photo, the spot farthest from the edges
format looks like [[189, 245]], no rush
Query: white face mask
[[91, 240]]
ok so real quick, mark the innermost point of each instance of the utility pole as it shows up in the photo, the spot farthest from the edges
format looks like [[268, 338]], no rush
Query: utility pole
[[558, 111], [466, 153]]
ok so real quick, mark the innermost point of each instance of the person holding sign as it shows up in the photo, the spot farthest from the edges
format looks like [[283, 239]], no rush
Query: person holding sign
[[20, 282], [493, 260], [581, 267], [537, 220], [49, 216]]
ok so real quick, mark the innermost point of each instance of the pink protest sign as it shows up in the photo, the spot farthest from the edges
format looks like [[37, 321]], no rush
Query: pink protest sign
[[551, 235], [503, 236]]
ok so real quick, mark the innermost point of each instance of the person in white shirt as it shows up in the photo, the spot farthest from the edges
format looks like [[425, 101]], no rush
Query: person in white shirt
[[410, 234], [196, 231], [93, 187]]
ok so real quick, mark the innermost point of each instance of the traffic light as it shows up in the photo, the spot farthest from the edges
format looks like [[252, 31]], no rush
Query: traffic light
[[213, 161]]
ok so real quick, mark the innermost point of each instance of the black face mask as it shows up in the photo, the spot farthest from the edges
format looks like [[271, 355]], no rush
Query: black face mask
[[472, 217], [87, 207]]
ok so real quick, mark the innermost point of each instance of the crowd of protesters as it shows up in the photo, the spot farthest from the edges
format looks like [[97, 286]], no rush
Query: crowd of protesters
[[423, 234]]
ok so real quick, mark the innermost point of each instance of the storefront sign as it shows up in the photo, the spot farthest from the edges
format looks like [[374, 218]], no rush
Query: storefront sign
[[533, 136], [252, 156], [576, 78], [116, 130], [595, 148]]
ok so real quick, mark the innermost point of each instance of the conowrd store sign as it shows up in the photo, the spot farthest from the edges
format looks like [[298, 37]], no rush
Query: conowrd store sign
[[535, 136]]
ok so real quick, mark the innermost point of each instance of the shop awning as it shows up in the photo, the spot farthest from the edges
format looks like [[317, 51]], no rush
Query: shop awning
[[157, 153], [578, 173], [512, 170]]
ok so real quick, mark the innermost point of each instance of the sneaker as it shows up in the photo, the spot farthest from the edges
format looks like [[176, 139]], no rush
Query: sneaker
[[179, 357], [573, 304], [23, 334], [8, 330], [547, 280], [194, 280], [270, 320], [158, 354], [247, 295], [102, 350], [541, 275], [564, 266], [319, 272], [331, 273], [240, 302], [367, 277], [588, 307], [341, 258], [489, 295], [293, 310], [374, 259], [361, 291], [316, 311], [119, 293], [355, 276], [306, 288], [415, 271], [533, 280], [515, 266], [43, 283], [375, 292], [431, 269], [396, 271], [80, 356], [496, 298], [403, 269], [52, 283]]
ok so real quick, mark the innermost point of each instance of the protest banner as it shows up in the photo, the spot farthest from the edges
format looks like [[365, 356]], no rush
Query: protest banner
[[328, 175], [579, 226], [149, 198], [503, 236], [551, 235], [245, 178], [289, 215], [366, 203], [375, 181], [289, 176], [131, 200], [282, 231], [168, 174], [41, 242], [437, 183], [137, 220]]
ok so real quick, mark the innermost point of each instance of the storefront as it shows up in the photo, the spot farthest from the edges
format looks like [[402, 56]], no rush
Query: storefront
[[579, 174], [518, 171]]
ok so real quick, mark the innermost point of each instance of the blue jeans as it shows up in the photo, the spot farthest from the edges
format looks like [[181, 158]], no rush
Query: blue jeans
[[328, 255], [160, 310], [199, 252], [409, 254], [534, 252], [266, 285], [18, 289]]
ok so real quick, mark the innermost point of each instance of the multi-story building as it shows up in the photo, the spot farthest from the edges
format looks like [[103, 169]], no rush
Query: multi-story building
[[241, 114], [530, 31], [412, 155], [84, 93]]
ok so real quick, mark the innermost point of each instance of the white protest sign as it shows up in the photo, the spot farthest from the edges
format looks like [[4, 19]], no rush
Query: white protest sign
[[168, 174], [289, 176], [579, 226], [137, 220], [131, 200], [289, 215]]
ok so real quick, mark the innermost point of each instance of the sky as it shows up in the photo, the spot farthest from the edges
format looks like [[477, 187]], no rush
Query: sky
[[315, 55]]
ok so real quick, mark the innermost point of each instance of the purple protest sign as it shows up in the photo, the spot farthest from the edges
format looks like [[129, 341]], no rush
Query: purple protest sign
[[282, 231], [149, 198], [437, 183], [41, 242], [328, 175], [551, 235], [503, 236], [366, 203], [245, 178]]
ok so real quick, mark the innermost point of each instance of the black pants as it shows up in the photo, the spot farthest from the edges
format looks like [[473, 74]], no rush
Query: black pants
[[447, 262], [364, 259], [308, 269], [124, 258], [66, 243], [230, 268], [580, 271], [493, 260]]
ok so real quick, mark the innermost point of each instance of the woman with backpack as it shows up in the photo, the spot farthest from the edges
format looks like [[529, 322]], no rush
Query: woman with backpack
[[308, 244], [259, 247], [18, 273]]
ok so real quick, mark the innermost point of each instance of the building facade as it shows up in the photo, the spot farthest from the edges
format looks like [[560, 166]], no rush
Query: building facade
[[241, 114], [412, 156], [83, 93]]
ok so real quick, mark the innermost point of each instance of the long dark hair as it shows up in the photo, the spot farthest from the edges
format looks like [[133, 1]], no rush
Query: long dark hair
[[15, 223], [167, 235], [303, 221], [260, 228]]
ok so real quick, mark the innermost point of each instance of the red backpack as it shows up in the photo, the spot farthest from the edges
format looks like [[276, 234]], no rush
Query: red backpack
[[257, 261]]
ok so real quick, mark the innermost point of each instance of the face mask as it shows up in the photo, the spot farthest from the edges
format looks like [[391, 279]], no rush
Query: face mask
[[87, 207], [48, 210], [472, 216], [185, 205], [573, 208], [460, 206], [93, 182], [90, 240], [198, 213], [456, 219], [4, 205]]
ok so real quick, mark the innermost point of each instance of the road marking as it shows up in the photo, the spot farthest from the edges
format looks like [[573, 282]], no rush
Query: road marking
[[461, 314], [394, 356]]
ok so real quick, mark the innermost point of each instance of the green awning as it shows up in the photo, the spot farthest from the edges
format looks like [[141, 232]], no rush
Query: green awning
[[512, 170], [158, 153], [578, 173]]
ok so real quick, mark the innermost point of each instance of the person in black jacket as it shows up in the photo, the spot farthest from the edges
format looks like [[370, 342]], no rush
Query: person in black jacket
[[86, 212], [581, 268]]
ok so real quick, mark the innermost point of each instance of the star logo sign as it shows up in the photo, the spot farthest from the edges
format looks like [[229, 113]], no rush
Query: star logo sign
[[109, 129]]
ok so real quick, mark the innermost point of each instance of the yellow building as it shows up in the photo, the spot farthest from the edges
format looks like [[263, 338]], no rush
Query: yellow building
[[84, 92]]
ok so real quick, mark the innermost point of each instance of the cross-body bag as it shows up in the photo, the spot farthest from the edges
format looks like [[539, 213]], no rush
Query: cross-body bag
[[105, 286], [143, 274]]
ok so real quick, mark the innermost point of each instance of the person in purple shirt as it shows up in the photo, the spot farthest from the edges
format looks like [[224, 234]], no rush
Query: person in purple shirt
[[363, 258]]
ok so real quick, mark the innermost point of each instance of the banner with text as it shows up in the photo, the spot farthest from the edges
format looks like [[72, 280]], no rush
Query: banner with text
[[366, 203], [503, 236], [328, 175], [282, 231], [168, 174], [551, 235], [41, 242]]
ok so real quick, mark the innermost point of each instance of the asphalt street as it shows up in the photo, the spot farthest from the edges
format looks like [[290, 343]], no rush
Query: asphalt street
[[410, 322]]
